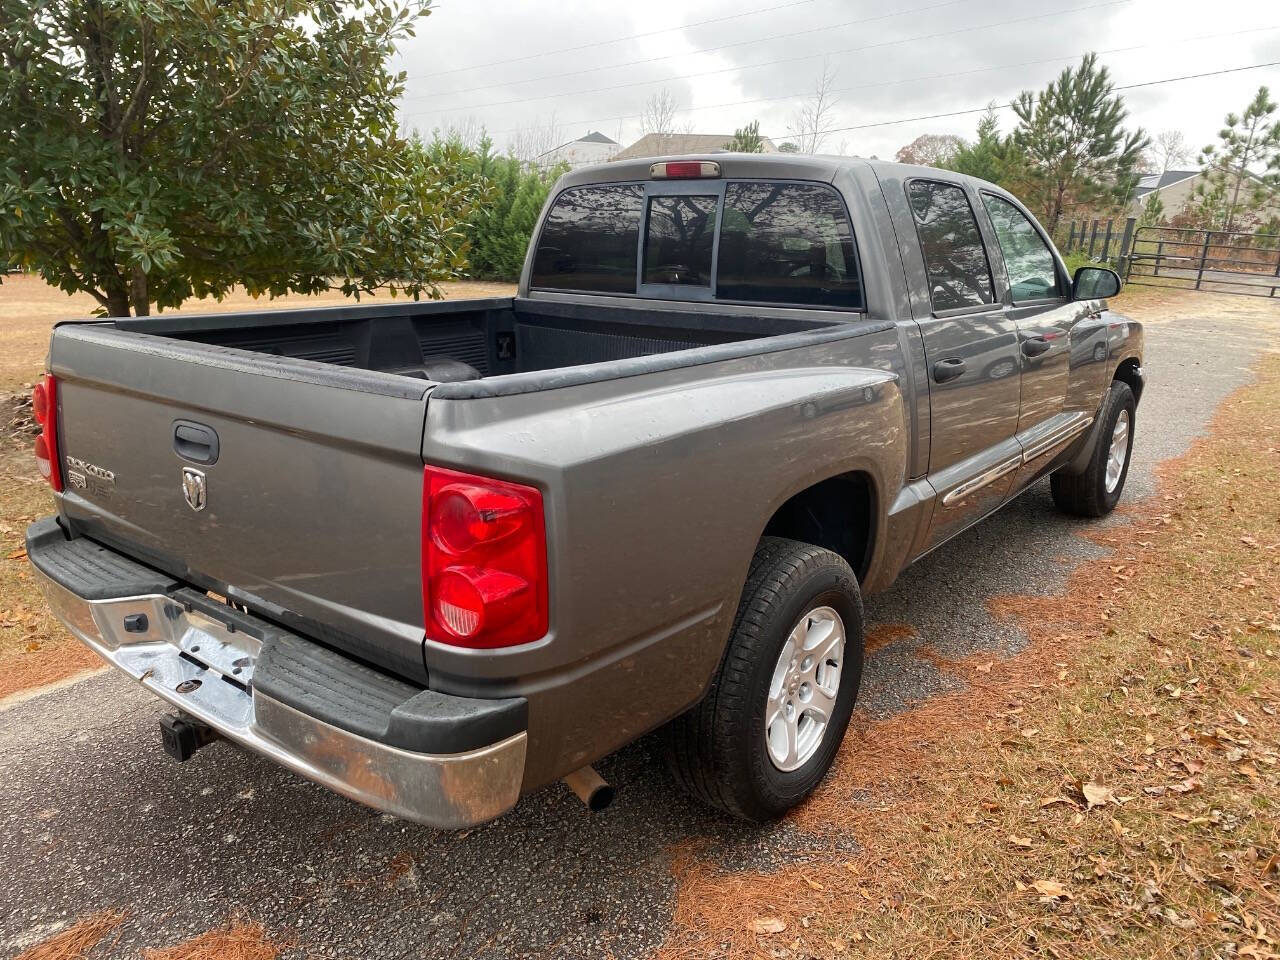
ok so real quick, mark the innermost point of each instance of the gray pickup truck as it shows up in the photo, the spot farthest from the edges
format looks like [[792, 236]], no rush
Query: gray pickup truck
[[438, 555]]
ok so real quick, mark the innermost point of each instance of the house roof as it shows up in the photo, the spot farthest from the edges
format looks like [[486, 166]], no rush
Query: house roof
[[1157, 181], [670, 144], [595, 136]]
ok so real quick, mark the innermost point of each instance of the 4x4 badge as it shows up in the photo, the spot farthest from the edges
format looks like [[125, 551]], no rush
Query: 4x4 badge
[[193, 487]]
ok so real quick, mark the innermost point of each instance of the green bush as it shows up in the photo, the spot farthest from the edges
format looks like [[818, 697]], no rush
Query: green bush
[[1080, 259], [500, 224]]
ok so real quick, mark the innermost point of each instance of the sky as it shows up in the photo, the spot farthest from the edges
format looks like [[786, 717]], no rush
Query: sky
[[507, 66]]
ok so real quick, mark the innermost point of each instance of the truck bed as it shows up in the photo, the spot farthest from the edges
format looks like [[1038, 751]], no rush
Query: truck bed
[[454, 341]]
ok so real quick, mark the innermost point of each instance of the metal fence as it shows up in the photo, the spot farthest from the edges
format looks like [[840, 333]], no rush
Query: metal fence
[[1218, 260], [1181, 257], [1100, 239]]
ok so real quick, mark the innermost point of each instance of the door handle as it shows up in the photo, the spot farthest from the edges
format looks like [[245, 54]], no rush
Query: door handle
[[195, 442], [948, 369], [1034, 346]]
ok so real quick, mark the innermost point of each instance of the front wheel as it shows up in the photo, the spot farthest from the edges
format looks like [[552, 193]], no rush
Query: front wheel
[[1096, 491], [769, 727]]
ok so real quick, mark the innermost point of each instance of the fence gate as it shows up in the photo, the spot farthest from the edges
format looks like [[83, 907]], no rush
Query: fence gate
[[1214, 260]]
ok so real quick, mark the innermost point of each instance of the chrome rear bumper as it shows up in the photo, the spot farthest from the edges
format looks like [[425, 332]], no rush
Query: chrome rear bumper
[[206, 670]]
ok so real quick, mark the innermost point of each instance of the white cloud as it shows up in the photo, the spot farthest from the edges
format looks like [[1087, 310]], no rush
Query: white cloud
[[987, 50]]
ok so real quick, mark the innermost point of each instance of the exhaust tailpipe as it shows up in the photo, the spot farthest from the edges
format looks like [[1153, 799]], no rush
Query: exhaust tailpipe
[[590, 789]]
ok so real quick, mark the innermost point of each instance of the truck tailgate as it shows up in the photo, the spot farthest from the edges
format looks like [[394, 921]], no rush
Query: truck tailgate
[[311, 509]]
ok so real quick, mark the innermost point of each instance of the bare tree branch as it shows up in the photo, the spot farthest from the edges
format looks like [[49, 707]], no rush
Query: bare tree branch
[[815, 121]]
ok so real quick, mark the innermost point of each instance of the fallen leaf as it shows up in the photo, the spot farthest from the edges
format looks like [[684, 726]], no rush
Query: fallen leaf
[[813, 884], [1051, 888], [1096, 795], [1023, 843], [20, 554], [985, 667], [768, 925]]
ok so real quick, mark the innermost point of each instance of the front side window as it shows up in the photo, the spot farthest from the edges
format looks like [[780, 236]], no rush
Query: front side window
[[1032, 275], [589, 240], [679, 238], [959, 275], [787, 243]]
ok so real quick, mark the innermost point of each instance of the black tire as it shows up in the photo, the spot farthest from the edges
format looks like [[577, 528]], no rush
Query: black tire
[[717, 750], [1085, 494]]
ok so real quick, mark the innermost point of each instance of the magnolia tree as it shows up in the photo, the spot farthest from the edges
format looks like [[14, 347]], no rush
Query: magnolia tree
[[157, 150]]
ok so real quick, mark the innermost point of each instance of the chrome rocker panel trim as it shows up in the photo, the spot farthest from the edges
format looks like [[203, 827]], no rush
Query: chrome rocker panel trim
[[447, 791], [1072, 429]]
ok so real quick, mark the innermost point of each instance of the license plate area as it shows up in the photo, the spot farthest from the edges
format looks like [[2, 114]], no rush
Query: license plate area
[[218, 646]]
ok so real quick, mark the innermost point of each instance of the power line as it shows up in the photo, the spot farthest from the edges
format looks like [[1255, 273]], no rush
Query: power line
[[603, 43], [769, 63], [921, 78], [1003, 106], [690, 53]]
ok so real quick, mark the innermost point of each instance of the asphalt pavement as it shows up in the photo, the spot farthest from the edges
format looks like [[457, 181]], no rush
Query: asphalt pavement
[[97, 816]]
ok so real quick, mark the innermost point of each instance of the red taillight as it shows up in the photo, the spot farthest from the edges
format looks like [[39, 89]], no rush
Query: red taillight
[[44, 407], [484, 560]]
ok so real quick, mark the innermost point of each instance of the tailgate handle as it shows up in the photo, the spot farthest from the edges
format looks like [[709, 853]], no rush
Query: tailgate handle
[[195, 442]]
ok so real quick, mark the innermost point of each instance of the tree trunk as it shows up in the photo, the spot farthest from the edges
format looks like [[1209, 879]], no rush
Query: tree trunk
[[138, 293], [1056, 213], [117, 303]]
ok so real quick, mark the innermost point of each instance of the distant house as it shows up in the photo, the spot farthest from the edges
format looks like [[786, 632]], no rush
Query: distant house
[[595, 147], [1174, 187], [673, 144]]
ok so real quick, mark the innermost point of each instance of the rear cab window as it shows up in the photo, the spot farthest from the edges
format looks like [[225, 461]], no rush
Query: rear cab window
[[787, 243], [767, 242], [589, 240], [956, 260], [679, 239]]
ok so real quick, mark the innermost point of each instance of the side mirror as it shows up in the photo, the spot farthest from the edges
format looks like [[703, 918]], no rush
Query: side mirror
[[1095, 283]]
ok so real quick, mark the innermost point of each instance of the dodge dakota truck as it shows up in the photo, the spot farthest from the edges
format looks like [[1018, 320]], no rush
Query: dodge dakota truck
[[438, 555]]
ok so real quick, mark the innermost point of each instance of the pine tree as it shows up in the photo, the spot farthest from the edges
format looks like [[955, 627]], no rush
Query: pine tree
[[1241, 173], [1077, 148], [746, 139], [987, 157], [1152, 210]]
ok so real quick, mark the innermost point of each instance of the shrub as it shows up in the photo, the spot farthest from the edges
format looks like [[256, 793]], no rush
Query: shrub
[[499, 226]]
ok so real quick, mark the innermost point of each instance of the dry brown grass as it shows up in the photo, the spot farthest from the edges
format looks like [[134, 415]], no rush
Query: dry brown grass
[[1110, 792], [34, 648], [1158, 305], [236, 941], [78, 940]]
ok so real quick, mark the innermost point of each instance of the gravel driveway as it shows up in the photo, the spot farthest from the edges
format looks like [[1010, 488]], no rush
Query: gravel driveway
[[97, 816]]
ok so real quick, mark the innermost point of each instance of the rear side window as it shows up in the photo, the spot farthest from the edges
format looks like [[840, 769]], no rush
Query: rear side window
[[1032, 274], [589, 240], [787, 243], [679, 236], [959, 275]]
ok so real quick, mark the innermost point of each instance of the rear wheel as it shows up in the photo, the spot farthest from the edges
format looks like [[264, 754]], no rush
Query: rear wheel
[[1096, 491], [770, 726]]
